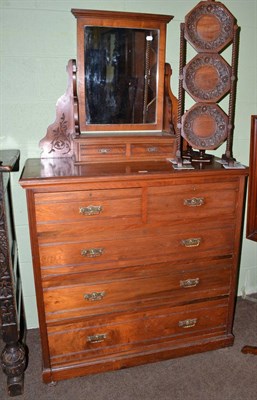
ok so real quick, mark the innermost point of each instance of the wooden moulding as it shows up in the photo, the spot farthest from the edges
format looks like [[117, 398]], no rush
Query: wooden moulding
[[251, 229]]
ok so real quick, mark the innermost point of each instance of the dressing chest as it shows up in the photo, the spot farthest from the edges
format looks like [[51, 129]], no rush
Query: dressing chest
[[135, 252], [133, 262]]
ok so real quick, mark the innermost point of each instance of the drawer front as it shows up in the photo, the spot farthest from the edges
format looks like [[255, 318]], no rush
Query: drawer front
[[90, 228], [87, 206], [102, 151], [191, 243], [76, 298], [152, 149], [130, 333], [197, 201]]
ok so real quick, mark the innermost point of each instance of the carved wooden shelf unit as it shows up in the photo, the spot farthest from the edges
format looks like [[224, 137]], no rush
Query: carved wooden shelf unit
[[135, 261], [12, 320]]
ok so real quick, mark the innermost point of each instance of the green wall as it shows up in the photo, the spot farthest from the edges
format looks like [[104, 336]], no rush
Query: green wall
[[37, 40]]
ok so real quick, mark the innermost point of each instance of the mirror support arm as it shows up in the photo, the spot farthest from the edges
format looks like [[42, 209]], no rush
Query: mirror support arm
[[170, 112], [58, 141]]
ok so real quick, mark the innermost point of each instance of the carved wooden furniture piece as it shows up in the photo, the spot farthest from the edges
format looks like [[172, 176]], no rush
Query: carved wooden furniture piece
[[134, 261], [209, 28], [13, 356], [251, 227]]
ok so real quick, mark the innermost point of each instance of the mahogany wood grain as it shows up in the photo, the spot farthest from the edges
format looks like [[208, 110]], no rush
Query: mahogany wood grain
[[137, 250], [138, 292], [126, 333]]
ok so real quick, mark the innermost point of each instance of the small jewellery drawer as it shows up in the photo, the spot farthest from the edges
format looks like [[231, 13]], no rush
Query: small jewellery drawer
[[131, 333], [200, 200], [78, 299], [152, 150], [190, 242], [101, 150], [87, 205]]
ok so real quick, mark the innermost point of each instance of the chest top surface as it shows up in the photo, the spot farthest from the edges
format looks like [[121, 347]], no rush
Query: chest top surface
[[41, 172]]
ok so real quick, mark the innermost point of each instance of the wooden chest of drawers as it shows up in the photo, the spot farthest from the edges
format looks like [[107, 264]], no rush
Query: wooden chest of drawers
[[133, 262]]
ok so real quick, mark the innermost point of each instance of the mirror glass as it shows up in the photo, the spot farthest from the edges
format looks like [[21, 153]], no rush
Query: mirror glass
[[120, 75]]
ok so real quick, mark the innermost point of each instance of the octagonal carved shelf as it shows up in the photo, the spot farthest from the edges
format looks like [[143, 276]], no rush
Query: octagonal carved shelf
[[207, 77], [204, 126], [209, 27]]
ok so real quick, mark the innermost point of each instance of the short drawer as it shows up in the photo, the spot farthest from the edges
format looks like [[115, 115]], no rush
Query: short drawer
[[152, 150], [193, 201], [133, 288], [102, 151], [87, 206], [191, 242], [131, 333]]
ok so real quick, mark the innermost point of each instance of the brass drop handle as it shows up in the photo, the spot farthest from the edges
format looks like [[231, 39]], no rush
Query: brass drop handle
[[100, 337], [191, 242], [194, 202], [188, 283], [94, 296], [187, 323], [97, 252], [91, 210]]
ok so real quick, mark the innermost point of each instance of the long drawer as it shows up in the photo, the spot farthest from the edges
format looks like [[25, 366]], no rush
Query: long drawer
[[191, 242], [134, 288], [135, 332]]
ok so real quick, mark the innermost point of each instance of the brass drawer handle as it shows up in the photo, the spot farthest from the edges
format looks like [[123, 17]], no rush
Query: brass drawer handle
[[104, 151], [152, 149], [187, 323], [194, 202], [94, 296], [90, 210], [192, 242], [92, 252], [188, 283], [97, 338]]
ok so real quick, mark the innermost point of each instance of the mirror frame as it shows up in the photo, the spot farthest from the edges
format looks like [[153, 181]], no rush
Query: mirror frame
[[120, 20]]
